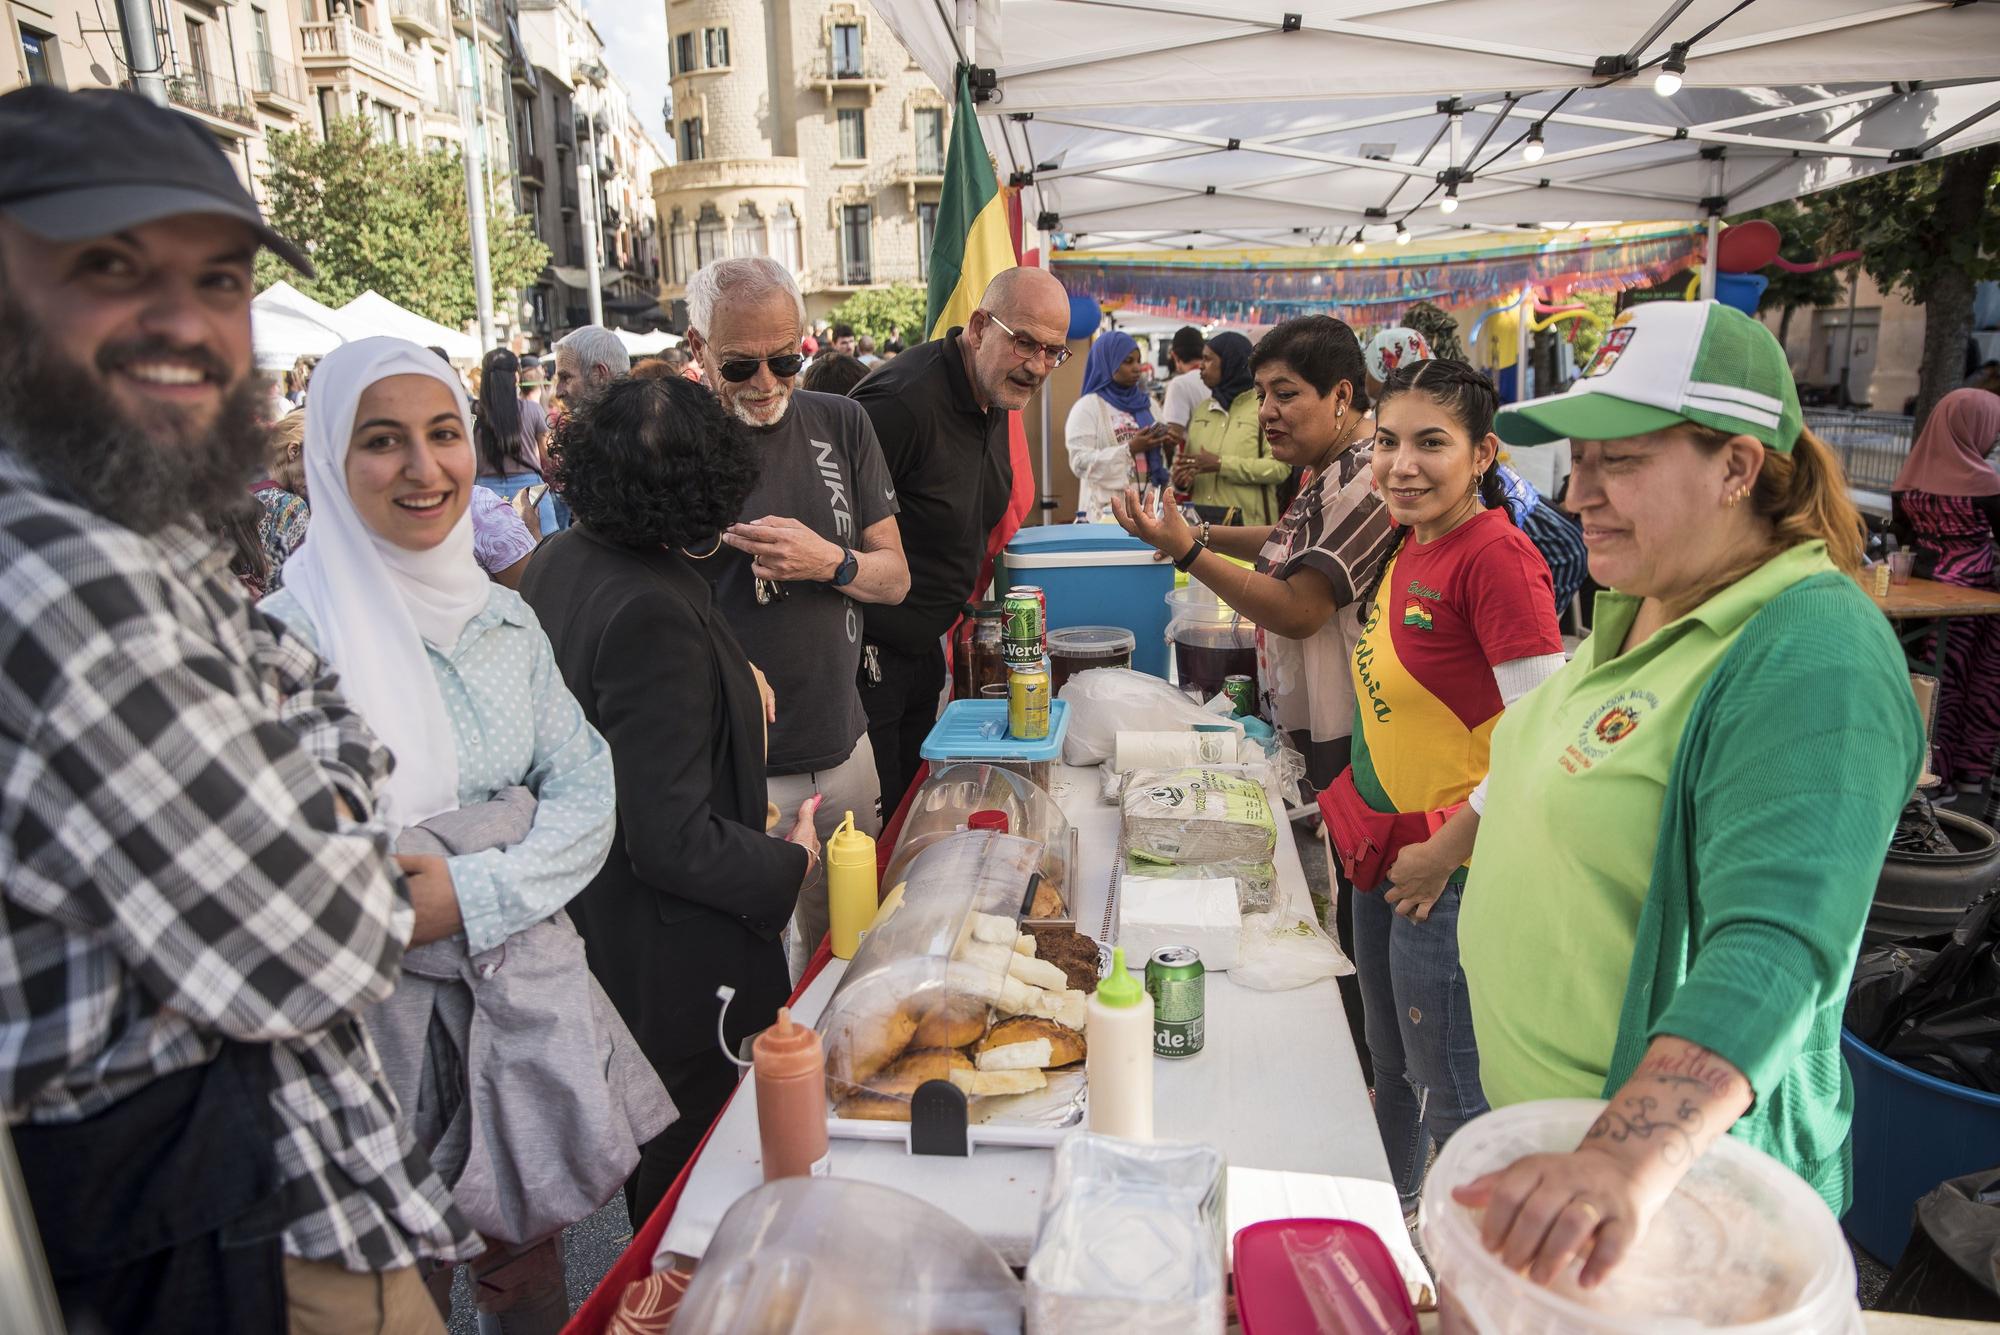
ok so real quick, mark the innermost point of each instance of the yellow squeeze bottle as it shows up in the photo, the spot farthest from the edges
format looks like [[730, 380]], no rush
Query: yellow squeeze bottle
[[850, 887]]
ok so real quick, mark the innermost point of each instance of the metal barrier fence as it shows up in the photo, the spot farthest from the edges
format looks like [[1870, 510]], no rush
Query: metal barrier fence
[[1871, 446]]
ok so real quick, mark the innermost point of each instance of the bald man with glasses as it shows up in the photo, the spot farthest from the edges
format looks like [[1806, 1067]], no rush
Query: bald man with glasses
[[940, 413]]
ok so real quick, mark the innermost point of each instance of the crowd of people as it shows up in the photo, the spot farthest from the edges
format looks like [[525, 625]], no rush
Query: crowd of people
[[393, 784]]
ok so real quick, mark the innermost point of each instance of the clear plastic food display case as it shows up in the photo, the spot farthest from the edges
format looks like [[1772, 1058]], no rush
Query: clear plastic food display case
[[948, 1029], [982, 796]]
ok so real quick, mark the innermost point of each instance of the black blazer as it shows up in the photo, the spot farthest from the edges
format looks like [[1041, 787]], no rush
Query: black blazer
[[694, 893]]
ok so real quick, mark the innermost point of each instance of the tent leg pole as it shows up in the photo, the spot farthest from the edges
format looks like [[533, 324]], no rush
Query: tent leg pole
[[1045, 258], [1709, 255], [1522, 342]]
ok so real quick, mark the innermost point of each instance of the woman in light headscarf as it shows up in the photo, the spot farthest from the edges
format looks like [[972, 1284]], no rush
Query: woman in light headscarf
[[1110, 435], [1227, 465], [1947, 506], [509, 1064]]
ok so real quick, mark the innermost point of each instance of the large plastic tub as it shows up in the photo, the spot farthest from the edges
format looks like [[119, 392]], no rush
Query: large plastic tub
[[1212, 641], [1743, 1245], [1095, 575], [1911, 1132]]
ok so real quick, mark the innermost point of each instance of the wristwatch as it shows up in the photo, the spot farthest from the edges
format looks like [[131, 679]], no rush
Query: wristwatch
[[849, 567]]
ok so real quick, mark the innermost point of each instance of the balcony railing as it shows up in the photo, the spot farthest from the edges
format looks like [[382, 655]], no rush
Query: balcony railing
[[341, 40], [487, 12], [274, 78], [569, 200], [212, 95], [426, 16], [531, 168]]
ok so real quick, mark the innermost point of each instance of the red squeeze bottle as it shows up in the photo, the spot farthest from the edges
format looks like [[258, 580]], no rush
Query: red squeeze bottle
[[790, 1069]]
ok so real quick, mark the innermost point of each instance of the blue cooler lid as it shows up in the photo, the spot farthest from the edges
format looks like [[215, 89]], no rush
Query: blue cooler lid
[[1053, 538], [977, 730]]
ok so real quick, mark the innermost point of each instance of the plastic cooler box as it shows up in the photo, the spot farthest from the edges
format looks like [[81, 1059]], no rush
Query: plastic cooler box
[[1095, 575]]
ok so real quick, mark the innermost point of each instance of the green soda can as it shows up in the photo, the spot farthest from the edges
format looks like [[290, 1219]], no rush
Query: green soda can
[[1024, 625], [1242, 693], [1175, 980]]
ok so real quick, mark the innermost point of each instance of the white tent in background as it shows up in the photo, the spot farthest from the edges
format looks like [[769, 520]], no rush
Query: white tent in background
[[646, 345], [1153, 124], [371, 313], [286, 324]]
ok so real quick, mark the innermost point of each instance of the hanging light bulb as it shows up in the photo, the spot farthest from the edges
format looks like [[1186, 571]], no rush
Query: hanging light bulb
[[1535, 147], [1449, 204], [1668, 81], [1402, 235], [1359, 247]]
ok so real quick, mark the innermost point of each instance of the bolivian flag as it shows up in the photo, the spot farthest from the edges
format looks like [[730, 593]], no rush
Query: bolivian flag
[[973, 240], [977, 229]]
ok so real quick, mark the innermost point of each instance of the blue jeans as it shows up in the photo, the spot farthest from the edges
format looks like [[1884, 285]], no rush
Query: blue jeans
[[1419, 1022], [514, 484]]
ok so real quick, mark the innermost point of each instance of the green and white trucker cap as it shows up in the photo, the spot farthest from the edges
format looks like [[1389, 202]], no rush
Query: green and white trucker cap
[[1668, 362]]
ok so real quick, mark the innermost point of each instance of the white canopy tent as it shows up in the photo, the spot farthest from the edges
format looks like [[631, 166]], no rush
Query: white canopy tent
[[286, 324], [646, 345], [1141, 124], [371, 313]]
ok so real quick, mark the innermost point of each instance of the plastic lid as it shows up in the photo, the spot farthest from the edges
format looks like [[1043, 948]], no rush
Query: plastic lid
[[1074, 538], [847, 844], [1092, 641], [988, 820], [977, 730], [1120, 989]]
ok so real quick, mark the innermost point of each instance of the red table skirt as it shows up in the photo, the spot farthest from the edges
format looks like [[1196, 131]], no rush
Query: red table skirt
[[636, 1261]]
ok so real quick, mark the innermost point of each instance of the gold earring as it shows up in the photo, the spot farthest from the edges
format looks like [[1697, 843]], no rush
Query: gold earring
[[1736, 496]]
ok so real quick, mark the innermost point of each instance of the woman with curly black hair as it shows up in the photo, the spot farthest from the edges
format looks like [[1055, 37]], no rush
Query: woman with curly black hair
[[694, 894]]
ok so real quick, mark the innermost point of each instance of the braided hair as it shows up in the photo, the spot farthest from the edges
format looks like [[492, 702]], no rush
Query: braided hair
[[1465, 393]]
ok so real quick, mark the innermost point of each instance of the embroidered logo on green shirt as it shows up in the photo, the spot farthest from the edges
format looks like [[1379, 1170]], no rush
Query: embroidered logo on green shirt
[[1617, 719]]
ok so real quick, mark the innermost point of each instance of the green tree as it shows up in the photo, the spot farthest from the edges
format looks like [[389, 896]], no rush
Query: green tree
[[1930, 232], [392, 218], [883, 313]]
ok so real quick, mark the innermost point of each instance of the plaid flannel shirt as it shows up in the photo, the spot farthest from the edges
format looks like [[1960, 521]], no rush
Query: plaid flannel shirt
[[174, 869]]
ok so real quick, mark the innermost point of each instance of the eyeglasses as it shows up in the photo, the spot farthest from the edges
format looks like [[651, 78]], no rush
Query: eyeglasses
[[784, 366], [1025, 348]]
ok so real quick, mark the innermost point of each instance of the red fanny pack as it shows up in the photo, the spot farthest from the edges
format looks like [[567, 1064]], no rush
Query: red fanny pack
[[1368, 840]]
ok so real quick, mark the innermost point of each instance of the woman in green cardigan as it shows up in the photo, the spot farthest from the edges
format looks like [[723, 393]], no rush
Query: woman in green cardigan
[[1682, 829], [1227, 462]]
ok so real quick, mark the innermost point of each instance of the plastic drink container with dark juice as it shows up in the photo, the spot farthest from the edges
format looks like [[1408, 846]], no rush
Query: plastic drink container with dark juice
[[790, 1070]]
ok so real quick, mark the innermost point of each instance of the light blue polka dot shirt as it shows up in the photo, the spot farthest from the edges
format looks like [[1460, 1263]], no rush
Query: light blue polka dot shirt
[[516, 725]]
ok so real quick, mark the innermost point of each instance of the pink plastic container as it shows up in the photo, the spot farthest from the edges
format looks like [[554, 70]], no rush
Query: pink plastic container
[[1327, 1275]]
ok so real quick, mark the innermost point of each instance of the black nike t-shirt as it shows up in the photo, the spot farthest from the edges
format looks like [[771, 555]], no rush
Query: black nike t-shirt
[[821, 466]]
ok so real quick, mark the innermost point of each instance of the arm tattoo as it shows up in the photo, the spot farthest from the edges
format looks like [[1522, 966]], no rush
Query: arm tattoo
[[1696, 1067], [1639, 1117]]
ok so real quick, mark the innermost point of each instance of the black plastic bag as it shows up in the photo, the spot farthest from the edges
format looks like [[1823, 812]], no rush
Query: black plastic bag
[[1952, 1266], [1940, 1016]]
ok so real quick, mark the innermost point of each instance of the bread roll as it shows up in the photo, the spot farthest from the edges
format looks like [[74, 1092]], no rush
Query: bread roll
[[1066, 1045], [953, 1021], [1030, 1054]]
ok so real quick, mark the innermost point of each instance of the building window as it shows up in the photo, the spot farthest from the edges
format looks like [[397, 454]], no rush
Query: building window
[[926, 237], [856, 262], [260, 50], [785, 238], [35, 52], [680, 238], [930, 141], [747, 232], [853, 134], [715, 47], [708, 236], [524, 124], [691, 139], [684, 62], [197, 59], [847, 51]]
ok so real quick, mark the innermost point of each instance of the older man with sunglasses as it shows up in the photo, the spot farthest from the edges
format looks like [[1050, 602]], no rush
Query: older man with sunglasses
[[818, 537], [940, 411]]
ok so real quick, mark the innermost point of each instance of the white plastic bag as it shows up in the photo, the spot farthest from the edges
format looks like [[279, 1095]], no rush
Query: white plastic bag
[[1104, 702], [1286, 949]]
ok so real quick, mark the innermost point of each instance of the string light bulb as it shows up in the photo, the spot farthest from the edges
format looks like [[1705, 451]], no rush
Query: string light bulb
[[1402, 235], [1668, 81], [1535, 147], [1359, 247], [1449, 204]]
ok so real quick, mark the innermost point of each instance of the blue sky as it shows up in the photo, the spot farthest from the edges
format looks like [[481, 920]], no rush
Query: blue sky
[[635, 46]]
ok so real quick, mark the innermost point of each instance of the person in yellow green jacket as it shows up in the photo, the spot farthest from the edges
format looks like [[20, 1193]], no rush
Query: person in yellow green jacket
[[1226, 462], [1681, 830]]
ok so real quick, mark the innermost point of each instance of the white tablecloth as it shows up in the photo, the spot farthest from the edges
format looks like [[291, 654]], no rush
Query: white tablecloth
[[1276, 1086]]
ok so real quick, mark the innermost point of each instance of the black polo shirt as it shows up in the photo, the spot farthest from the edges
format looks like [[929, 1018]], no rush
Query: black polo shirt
[[948, 458]]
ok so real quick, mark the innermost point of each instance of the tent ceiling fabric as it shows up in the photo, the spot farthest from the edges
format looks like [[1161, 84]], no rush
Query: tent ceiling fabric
[[1248, 148]]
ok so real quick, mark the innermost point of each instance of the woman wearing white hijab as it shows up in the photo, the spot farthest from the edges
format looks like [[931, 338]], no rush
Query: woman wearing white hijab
[[454, 675]]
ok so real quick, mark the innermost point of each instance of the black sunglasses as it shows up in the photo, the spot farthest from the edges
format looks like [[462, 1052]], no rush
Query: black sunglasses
[[784, 366]]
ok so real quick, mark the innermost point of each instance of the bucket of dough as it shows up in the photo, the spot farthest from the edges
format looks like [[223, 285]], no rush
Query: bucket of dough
[[1743, 1245]]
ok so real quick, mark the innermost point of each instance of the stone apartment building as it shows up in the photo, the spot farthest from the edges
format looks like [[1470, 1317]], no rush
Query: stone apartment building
[[802, 131], [581, 155]]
